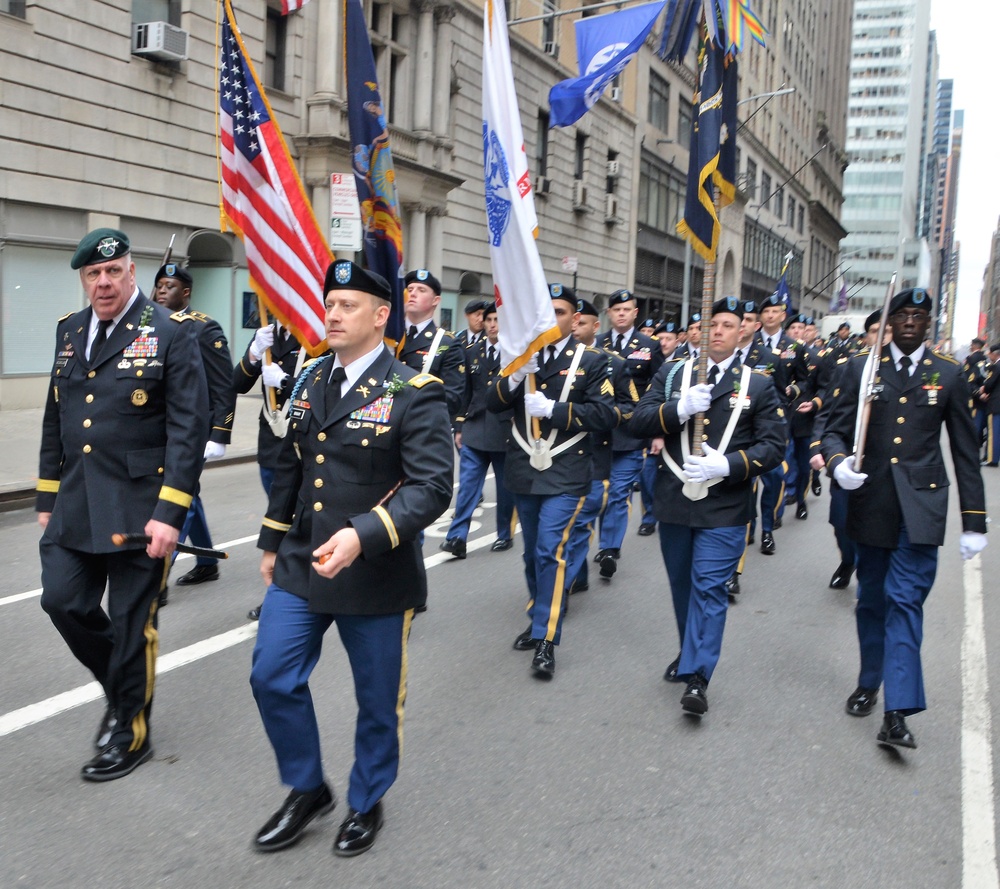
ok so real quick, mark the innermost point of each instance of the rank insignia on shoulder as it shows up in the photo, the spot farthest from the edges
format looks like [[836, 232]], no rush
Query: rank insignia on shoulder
[[421, 380], [181, 316]]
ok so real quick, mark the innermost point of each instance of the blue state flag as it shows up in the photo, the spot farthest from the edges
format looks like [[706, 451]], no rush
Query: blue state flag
[[605, 45], [782, 291], [371, 160]]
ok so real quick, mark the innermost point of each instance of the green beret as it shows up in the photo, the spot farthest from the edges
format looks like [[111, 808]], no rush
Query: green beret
[[100, 245]]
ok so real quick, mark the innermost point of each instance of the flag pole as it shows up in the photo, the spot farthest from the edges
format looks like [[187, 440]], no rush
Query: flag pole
[[707, 301]]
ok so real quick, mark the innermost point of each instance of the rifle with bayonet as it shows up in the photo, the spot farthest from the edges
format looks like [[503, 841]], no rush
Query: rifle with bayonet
[[869, 375]]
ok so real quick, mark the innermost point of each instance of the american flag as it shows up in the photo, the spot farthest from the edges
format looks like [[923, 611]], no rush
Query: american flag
[[288, 6], [263, 200]]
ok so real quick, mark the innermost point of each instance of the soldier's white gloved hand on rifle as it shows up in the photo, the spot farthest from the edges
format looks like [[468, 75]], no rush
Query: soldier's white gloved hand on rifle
[[711, 464], [538, 405], [971, 543], [846, 477], [273, 375], [263, 339], [529, 367], [214, 450], [694, 400]]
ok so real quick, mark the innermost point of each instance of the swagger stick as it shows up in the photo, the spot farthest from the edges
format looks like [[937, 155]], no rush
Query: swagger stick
[[202, 551], [871, 373]]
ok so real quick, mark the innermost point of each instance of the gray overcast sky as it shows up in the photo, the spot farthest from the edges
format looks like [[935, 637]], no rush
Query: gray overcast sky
[[967, 57]]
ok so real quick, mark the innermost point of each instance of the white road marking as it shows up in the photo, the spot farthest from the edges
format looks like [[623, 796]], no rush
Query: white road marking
[[979, 854]]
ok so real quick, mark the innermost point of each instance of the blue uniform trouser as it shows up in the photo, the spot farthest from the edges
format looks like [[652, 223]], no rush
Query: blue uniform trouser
[[893, 585], [993, 440], [546, 524], [625, 469], [699, 561], [289, 640], [800, 460], [981, 419], [772, 497], [267, 478], [583, 530], [196, 526], [647, 484], [472, 466], [791, 470], [838, 518]]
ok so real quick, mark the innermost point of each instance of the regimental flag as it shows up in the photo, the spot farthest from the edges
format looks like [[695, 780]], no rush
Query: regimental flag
[[371, 160], [735, 19], [709, 132], [263, 200], [524, 307], [782, 290], [288, 6], [678, 28], [605, 44], [839, 303]]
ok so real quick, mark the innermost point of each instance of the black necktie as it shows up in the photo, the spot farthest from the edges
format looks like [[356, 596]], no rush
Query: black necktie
[[411, 334], [491, 355], [713, 375], [770, 344], [100, 339], [904, 370], [550, 357], [619, 342], [333, 389]]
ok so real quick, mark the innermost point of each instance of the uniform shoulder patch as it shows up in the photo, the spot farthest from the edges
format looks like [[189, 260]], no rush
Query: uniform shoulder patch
[[421, 380], [947, 358], [181, 316]]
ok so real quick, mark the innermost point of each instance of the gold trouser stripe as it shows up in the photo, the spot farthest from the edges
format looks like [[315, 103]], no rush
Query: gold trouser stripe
[[276, 526], [746, 546], [513, 520], [47, 486], [172, 495], [990, 458], [560, 585], [390, 525], [403, 667], [139, 727], [781, 493]]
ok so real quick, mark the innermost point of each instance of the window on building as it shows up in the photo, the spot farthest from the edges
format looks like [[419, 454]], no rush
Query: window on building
[[549, 24], [684, 117], [750, 183], [580, 156], [390, 33], [659, 102], [779, 203], [791, 212], [542, 143], [275, 37], [661, 197], [16, 8], [802, 218], [612, 180], [142, 10], [765, 190]]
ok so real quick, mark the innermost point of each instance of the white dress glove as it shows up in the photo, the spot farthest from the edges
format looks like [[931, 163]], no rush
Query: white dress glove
[[694, 400], [530, 367], [263, 339], [972, 543], [711, 464], [214, 450], [846, 477], [538, 405], [273, 375]]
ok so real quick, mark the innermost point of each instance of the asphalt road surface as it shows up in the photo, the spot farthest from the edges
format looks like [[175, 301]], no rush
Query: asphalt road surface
[[595, 779]]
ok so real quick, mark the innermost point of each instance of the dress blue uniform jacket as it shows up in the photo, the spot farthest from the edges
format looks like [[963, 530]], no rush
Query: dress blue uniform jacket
[[590, 407], [337, 465], [482, 429], [757, 446], [907, 481], [123, 436], [643, 359], [448, 364]]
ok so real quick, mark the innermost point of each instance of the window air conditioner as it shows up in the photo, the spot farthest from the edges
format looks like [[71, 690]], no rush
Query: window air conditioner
[[579, 195], [551, 48], [159, 40]]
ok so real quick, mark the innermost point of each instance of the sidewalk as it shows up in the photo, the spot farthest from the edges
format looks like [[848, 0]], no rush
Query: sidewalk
[[21, 434]]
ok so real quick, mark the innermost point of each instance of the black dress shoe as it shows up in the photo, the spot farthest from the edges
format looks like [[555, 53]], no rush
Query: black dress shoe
[[543, 664], [647, 529], [524, 642], [733, 585], [895, 732], [608, 563], [199, 574], [695, 697], [109, 723], [357, 833], [767, 543], [842, 576], [751, 540], [500, 546], [579, 588], [285, 826], [115, 761], [777, 524], [164, 597], [817, 486], [455, 546], [254, 613], [671, 673], [862, 702], [801, 512]]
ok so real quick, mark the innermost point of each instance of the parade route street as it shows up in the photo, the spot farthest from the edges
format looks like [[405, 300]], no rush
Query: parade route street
[[595, 779]]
